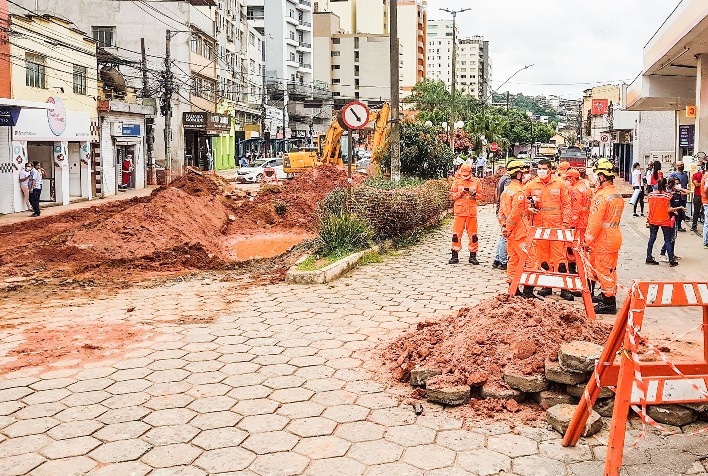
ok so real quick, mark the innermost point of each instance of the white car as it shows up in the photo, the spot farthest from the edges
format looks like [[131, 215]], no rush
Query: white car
[[255, 174]]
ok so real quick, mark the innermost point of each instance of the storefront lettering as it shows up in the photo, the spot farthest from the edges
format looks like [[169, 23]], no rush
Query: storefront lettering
[[57, 116]]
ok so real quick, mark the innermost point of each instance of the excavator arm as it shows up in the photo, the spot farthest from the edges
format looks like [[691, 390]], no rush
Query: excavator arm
[[381, 131], [330, 145]]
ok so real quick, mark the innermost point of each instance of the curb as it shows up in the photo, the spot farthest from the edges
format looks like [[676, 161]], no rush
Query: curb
[[330, 272]]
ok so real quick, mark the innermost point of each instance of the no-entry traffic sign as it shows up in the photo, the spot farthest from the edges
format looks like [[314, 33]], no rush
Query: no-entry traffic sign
[[494, 147]]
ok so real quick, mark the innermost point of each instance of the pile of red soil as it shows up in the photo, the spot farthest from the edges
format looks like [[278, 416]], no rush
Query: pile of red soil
[[489, 188], [504, 333], [298, 198]]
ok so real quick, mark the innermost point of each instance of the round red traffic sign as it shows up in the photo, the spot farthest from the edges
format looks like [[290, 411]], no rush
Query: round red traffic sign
[[355, 115], [494, 147]]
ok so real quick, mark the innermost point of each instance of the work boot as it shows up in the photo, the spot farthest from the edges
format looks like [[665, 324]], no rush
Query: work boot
[[607, 306], [577, 294], [567, 295], [651, 260], [545, 292], [473, 258], [502, 266], [528, 293], [496, 264], [455, 258]]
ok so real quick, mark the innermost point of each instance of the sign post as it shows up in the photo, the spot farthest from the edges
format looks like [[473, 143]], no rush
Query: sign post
[[354, 116]]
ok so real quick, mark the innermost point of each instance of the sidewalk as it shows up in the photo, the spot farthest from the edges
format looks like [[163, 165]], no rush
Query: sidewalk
[[49, 209]]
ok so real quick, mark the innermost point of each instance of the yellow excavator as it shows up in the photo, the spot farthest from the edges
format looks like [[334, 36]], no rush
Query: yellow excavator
[[328, 146]]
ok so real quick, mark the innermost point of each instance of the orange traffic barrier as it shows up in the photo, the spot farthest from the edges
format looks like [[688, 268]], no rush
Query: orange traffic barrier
[[269, 175], [639, 384], [547, 279]]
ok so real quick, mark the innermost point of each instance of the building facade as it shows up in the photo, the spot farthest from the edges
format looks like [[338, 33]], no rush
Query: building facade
[[358, 16]]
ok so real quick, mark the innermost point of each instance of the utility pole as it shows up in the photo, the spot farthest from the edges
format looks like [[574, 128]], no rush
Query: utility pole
[[143, 66], [151, 175], [395, 140], [167, 104], [507, 102], [453, 80]]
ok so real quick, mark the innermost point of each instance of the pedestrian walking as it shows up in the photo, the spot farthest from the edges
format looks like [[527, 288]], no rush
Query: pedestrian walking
[[638, 184], [501, 257], [604, 236], [463, 192], [697, 208], [681, 177], [678, 203], [35, 185], [654, 174], [660, 218], [24, 177]]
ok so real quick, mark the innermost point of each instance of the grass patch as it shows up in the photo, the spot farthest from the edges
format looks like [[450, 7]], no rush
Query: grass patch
[[317, 261]]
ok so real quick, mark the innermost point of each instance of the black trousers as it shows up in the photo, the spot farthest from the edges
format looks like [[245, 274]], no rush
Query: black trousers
[[640, 200], [697, 210], [34, 199]]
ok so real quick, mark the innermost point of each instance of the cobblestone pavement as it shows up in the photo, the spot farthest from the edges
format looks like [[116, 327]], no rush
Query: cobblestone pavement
[[280, 384]]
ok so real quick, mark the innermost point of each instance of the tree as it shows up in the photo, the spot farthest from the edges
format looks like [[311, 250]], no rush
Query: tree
[[423, 154]]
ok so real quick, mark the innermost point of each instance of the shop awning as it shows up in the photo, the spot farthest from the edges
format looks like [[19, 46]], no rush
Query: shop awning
[[4, 102]]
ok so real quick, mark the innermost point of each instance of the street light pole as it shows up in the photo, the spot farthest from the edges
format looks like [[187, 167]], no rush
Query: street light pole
[[394, 53], [453, 80]]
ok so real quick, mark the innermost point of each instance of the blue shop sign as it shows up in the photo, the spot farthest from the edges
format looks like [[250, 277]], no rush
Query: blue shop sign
[[9, 116], [130, 130]]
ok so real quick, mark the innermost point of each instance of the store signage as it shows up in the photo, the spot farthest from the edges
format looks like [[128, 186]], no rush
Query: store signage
[[687, 134], [9, 116], [206, 122], [57, 116], [130, 130], [666, 157], [691, 111], [600, 107]]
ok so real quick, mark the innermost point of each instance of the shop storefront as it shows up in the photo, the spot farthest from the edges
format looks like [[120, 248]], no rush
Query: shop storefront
[[199, 130], [59, 140]]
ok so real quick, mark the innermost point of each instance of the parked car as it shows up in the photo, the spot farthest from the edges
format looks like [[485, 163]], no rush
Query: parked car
[[255, 174]]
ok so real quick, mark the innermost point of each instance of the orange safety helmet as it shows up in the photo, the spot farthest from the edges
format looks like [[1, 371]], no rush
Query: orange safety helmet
[[572, 173], [563, 166]]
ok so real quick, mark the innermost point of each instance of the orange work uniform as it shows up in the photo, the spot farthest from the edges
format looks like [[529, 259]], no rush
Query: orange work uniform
[[580, 199], [515, 220], [552, 199], [465, 209], [604, 236], [702, 191]]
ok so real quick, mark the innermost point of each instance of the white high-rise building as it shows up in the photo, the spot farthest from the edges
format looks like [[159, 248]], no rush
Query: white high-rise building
[[473, 63]]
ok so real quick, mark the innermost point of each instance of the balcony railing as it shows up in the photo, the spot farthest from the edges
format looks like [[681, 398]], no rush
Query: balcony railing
[[305, 45], [306, 24], [305, 65], [306, 3]]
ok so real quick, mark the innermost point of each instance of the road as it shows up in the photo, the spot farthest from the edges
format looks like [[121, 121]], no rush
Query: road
[[207, 376]]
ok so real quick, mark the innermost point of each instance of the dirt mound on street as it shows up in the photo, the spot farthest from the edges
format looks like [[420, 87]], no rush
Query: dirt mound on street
[[489, 187], [502, 333]]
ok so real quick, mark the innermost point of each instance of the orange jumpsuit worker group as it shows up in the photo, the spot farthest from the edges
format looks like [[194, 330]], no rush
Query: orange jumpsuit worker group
[[580, 197], [551, 200], [515, 220], [464, 191], [604, 236]]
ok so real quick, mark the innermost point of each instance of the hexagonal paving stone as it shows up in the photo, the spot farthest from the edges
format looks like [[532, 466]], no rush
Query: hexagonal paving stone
[[213, 420], [202, 378], [250, 392], [163, 376], [324, 384], [270, 442], [120, 451], [410, 435], [171, 455], [167, 389], [336, 467], [86, 398], [226, 459], [90, 385], [315, 372], [14, 393], [53, 383], [76, 465], [30, 427], [320, 447], [393, 416], [46, 396], [346, 413], [132, 468], [72, 447], [168, 364], [127, 400], [263, 423], [277, 369], [484, 462], [538, 466], [285, 381], [401, 469], [255, 407], [219, 438], [165, 402], [40, 410], [512, 445], [122, 431], [460, 440], [571, 454], [23, 444], [172, 434], [171, 416], [375, 452], [313, 426], [279, 464], [429, 457], [291, 395], [122, 415], [128, 386], [240, 368], [8, 408], [20, 465], [360, 431], [301, 409], [335, 397], [376, 401]]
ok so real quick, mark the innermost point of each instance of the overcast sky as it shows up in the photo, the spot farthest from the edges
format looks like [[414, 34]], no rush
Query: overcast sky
[[577, 43]]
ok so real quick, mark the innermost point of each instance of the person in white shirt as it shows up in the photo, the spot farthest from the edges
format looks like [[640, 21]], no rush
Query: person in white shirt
[[481, 162], [638, 184], [24, 178], [35, 186]]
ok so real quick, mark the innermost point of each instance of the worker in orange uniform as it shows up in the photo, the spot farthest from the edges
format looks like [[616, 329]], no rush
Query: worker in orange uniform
[[464, 192], [580, 196], [563, 167], [515, 220], [603, 236], [551, 201]]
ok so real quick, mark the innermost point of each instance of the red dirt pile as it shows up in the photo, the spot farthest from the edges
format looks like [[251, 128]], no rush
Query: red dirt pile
[[489, 186], [502, 333], [299, 197]]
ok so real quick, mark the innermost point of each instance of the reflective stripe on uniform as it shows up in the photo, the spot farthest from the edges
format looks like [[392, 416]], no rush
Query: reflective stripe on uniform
[[610, 225], [614, 195]]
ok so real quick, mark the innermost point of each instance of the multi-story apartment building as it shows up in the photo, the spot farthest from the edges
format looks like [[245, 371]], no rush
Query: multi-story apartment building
[[412, 37], [358, 16], [474, 67], [286, 27]]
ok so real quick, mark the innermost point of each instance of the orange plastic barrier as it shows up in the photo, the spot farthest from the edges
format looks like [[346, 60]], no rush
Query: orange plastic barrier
[[269, 175], [639, 384], [547, 279]]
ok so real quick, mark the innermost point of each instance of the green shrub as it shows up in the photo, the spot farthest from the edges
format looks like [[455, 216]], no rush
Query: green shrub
[[342, 232]]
